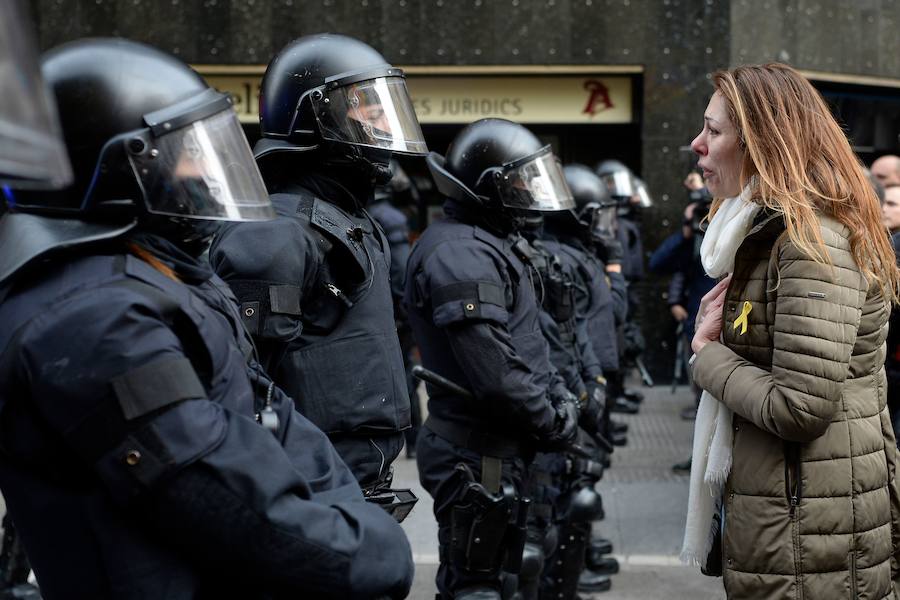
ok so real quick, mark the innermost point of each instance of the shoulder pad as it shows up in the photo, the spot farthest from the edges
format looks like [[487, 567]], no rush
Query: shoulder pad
[[25, 237]]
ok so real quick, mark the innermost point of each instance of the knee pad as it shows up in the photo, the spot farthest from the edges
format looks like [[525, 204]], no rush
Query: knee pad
[[586, 506], [532, 562]]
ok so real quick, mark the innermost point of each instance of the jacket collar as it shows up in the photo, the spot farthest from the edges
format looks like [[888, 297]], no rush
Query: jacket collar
[[763, 219]]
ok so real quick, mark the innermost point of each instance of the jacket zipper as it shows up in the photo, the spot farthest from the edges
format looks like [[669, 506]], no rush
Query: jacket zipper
[[794, 491], [854, 591]]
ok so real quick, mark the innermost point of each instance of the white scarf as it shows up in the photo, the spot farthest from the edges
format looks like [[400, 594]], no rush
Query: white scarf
[[713, 436]]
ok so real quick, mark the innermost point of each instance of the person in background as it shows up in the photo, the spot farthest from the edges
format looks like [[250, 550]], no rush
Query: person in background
[[886, 170], [890, 209]]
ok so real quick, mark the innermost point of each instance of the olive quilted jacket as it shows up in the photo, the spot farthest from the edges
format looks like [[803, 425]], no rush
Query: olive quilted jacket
[[812, 509]]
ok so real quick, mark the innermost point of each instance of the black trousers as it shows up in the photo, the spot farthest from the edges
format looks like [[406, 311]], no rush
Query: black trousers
[[437, 459]]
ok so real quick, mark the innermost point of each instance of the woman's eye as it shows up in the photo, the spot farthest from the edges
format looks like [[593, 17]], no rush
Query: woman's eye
[[713, 131]]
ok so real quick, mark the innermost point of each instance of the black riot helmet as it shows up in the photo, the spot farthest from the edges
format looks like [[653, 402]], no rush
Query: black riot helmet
[[496, 165], [338, 95], [32, 153], [148, 139], [595, 209], [618, 178]]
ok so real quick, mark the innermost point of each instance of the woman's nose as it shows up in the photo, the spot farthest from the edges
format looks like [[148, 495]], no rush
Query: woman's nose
[[698, 146]]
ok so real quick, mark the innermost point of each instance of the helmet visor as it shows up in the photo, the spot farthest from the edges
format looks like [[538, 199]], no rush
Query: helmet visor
[[32, 153], [644, 199], [619, 183], [204, 170], [374, 112], [535, 183]]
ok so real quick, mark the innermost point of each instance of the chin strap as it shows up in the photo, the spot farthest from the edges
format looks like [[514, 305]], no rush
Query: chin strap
[[371, 163]]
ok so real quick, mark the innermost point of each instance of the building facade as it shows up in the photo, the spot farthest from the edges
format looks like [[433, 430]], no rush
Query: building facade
[[625, 79]]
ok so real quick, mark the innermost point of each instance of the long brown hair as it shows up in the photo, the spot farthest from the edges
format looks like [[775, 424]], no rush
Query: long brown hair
[[803, 164]]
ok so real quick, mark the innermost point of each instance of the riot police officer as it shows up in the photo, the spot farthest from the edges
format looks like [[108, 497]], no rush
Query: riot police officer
[[601, 291], [395, 224], [32, 155], [631, 195], [314, 284], [474, 315], [561, 485], [145, 452]]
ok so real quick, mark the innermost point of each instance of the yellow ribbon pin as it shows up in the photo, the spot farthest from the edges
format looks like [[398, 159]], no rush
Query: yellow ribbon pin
[[741, 321]]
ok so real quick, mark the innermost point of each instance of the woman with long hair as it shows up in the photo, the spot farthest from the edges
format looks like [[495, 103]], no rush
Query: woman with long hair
[[794, 453]]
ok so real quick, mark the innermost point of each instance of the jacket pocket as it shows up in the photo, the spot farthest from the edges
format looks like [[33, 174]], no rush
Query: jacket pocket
[[793, 487], [342, 389]]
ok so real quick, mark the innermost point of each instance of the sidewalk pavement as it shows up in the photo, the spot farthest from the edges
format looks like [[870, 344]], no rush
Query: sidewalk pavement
[[644, 500]]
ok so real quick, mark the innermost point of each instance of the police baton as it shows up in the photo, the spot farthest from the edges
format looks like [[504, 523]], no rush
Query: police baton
[[440, 381], [645, 374]]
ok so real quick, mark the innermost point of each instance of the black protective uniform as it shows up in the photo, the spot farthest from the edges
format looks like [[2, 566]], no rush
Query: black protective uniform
[[314, 285], [314, 290], [631, 194], [602, 297], [556, 478], [133, 464], [145, 454], [474, 315], [396, 229], [571, 350]]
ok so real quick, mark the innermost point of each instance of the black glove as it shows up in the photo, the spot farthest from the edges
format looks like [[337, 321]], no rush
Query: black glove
[[591, 417], [565, 427], [610, 250]]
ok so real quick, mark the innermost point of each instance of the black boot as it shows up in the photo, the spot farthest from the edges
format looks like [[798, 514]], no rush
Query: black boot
[[603, 565], [589, 581], [634, 395], [624, 405], [618, 427], [597, 550]]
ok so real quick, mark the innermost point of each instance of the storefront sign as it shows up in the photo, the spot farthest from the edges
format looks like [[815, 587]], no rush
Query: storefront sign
[[453, 99], [564, 99]]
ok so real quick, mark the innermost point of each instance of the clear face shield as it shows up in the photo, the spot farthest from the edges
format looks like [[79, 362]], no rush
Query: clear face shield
[[620, 184], [198, 164], [32, 152], [375, 112], [536, 182], [642, 195]]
